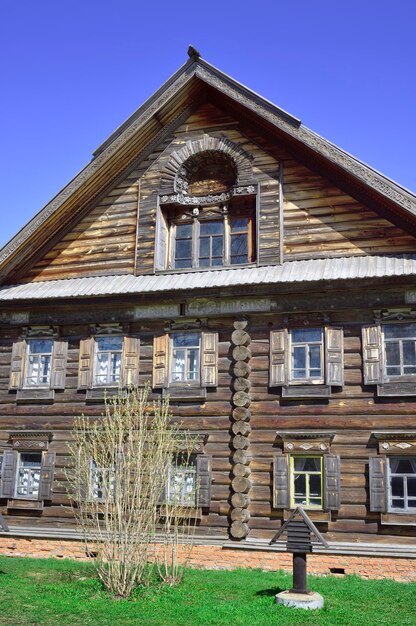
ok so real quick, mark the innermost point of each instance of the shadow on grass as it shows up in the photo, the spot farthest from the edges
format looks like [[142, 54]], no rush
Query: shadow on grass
[[269, 592]]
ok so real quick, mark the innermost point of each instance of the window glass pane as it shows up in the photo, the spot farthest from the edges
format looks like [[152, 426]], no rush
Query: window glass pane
[[30, 460], [239, 249], [315, 357], [217, 246], [193, 364], [184, 231], [185, 339], [109, 343], [211, 228], [204, 247], [409, 354], [393, 371], [404, 467], [306, 335], [216, 262], [239, 224], [411, 487], [397, 504], [397, 487], [300, 488], [183, 249], [399, 330], [183, 264], [315, 485], [312, 465], [392, 353], [178, 365], [40, 346]]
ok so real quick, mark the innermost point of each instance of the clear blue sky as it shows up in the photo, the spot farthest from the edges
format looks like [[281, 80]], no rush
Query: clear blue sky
[[72, 70]]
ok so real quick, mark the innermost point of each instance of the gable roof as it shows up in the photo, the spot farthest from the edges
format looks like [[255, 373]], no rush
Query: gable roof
[[167, 107]]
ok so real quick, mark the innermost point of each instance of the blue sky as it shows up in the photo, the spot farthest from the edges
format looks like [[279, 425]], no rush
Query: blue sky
[[72, 71]]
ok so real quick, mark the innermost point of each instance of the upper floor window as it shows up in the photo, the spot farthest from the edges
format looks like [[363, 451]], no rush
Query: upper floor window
[[307, 345], [185, 364], [108, 353], [39, 361], [400, 349], [211, 238], [305, 361], [389, 357]]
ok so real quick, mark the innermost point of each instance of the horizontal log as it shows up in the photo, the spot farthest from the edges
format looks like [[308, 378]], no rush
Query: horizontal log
[[241, 384], [241, 353], [241, 470], [240, 515], [241, 369], [240, 442], [241, 428], [240, 338], [239, 530], [241, 398], [241, 484], [241, 413], [242, 456], [240, 500]]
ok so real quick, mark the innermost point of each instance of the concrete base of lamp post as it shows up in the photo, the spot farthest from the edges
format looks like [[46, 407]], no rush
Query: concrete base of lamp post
[[308, 601]]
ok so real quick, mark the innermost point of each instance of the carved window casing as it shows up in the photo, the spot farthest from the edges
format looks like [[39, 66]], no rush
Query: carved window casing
[[207, 208]]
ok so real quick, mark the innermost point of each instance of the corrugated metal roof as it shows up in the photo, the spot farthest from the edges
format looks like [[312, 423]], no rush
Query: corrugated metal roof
[[344, 268]]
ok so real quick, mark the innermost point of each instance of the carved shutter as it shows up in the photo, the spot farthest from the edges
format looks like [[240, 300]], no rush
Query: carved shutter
[[86, 355], [18, 365], [334, 356], [278, 358], [378, 484], [160, 360], [161, 247], [8, 474], [203, 470], [372, 354], [209, 359], [130, 362], [332, 482], [58, 369], [46, 475], [280, 482]]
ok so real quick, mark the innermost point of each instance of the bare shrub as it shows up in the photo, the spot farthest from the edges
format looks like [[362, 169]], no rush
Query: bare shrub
[[119, 472]]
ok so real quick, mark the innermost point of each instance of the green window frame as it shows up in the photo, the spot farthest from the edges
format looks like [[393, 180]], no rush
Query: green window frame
[[305, 491]]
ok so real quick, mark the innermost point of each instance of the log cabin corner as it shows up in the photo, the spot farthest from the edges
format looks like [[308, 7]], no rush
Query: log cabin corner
[[264, 279]]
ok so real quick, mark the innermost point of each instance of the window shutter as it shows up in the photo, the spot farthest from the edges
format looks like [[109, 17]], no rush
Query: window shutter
[[203, 469], [58, 369], [8, 474], [86, 352], [161, 248], [209, 359], [372, 354], [46, 475], [130, 362], [334, 356], [280, 483], [377, 484], [18, 364], [332, 482], [278, 358], [160, 360]]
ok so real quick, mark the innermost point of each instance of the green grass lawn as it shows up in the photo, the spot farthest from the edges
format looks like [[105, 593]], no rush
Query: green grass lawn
[[40, 592]]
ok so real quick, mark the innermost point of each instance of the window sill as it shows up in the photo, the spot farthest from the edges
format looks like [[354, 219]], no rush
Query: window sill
[[188, 270], [185, 394], [399, 388], [299, 392], [25, 505], [40, 396], [399, 519], [314, 514], [99, 394]]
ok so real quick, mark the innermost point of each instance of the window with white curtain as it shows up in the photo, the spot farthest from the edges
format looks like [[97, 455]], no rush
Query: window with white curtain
[[402, 484], [108, 351], [185, 361], [39, 360], [182, 481], [28, 474]]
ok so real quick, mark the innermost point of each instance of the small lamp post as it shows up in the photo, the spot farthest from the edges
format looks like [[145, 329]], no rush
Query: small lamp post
[[298, 529]]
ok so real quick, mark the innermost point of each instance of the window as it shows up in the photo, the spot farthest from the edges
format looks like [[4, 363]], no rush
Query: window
[[400, 349], [101, 484], [38, 367], [39, 360], [189, 481], [389, 358], [402, 484], [110, 360], [108, 351], [306, 356], [185, 364], [306, 481], [182, 481], [311, 481], [306, 362], [210, 238], [183, 360], [28, 475]]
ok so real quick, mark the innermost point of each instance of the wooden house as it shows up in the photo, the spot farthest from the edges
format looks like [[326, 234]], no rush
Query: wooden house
[[257, 274]]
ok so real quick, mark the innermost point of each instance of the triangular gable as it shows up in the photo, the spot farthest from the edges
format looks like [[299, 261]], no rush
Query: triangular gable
[[170, 105]]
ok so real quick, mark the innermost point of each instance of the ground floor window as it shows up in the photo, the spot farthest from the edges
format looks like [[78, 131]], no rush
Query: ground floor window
[[28, 474], [306, 481], [402, 484], [182, 481]]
